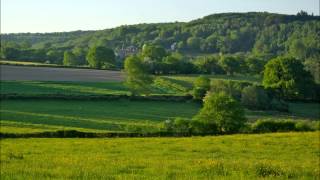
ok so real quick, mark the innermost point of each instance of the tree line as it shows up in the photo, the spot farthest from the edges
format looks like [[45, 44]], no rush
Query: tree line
[[262, 35], [284, 78]]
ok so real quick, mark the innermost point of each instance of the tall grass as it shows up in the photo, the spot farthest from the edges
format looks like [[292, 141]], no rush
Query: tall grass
[[287, 155]]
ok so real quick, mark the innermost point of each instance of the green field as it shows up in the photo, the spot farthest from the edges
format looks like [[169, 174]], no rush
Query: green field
[[78, 88], [26, 116], [25, 63], [22, 116], [284, 155], [189, 79], [92, 115], [177, 85], [84, 88]]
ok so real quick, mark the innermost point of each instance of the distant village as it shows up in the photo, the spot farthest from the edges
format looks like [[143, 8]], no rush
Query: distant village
[[132, 50]]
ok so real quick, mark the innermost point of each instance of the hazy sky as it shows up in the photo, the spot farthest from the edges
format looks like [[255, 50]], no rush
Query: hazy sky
[[69, 15]]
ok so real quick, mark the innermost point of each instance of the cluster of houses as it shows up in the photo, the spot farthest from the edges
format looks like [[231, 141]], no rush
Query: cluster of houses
[[132, 50], [127, 51]]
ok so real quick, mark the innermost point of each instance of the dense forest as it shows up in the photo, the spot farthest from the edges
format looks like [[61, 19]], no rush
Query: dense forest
[[253, 36]]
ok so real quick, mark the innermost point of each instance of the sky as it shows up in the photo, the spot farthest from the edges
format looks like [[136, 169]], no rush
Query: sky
[[70, 15]]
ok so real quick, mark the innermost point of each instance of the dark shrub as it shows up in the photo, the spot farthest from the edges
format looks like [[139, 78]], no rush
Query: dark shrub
[[182, 125], [254, 97], [177, 125], [232, 88], [316, 125], [198, 93], [202, 127], [262, 126], [303, 126], [200, 87], [195, 127]]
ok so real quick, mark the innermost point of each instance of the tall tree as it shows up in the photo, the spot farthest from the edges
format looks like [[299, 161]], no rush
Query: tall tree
[[230, 64], [287, 75], [69, 59], [99, 57], [224, 111], [154, 52], [137, 78], [200, 87]]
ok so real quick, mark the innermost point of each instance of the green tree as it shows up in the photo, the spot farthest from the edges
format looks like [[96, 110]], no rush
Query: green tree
[[137, 78], [298, 49], [223, 111], [10, 53], [254, 65], [230, 64], [288, 77], [69, 59], [80, 54], [200, 87], [232, 88], [254, 97], [176, 63], [208, 65], [154, 52], [55, 56], [313, 66], [101, 57], [194, 43]]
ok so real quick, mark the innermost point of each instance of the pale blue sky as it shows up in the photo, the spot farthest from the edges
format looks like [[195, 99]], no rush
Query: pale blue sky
[[70, 15]]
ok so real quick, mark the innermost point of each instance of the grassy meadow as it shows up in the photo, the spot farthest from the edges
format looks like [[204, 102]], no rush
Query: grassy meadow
[[161, 86], [212, 157], [22, 116], [177, 85], [26, 116], [268, 156], [93, 115], [189, 79], [49, 87]]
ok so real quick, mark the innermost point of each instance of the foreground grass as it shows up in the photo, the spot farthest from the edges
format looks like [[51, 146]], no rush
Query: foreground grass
[[285, 155]]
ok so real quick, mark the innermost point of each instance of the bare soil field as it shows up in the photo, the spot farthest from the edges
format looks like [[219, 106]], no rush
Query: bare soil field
[[57, 74]]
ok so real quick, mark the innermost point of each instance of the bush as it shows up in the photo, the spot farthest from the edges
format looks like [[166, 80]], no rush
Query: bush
[[303, 126], [262, 126], [198, 93], [182, 125], [288, 76], [200, 87], [254, 97], [178, 125], [203, 127], [232, 88], [195, 127], [223, 111], [315, 125]]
